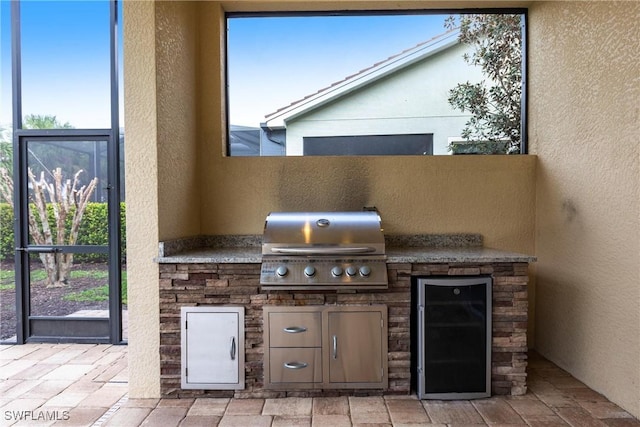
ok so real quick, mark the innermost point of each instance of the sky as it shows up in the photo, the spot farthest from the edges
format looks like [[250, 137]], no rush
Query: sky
[[65, 61], [278, 60], [272, 61], [5, 62]]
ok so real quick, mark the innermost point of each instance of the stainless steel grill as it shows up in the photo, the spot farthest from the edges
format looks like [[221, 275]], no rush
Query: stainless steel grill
[[323, 250]]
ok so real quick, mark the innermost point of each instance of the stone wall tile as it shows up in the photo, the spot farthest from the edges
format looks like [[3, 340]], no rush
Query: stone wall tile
[[238, 284]]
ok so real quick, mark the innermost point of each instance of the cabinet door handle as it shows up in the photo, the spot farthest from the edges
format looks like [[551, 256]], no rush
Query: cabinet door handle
[[335, 346], [296, 365], [295, 329], [233, 348]]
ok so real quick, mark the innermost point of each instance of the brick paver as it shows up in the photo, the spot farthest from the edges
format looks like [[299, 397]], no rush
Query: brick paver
[[456, 412], [331, 406], [86, 385], [288, 407]]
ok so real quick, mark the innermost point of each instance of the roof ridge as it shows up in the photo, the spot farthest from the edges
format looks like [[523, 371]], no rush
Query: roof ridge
[[362, 71]]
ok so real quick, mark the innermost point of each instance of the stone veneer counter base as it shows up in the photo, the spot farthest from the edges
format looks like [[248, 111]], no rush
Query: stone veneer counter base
[[227, 272]]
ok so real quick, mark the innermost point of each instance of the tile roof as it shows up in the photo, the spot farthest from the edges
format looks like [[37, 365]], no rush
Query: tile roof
[[367, 75]]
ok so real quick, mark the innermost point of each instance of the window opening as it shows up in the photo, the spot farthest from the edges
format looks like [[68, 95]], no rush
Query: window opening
[[299, 77]]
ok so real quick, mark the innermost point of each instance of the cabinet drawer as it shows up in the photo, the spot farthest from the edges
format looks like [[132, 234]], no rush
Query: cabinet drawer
[[297, 329], [295, 365]]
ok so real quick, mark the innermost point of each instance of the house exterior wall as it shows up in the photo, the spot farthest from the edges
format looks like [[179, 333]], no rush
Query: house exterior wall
[[141, 166], [491, 195], [161, 163], [584, 90], [586, 236], [410, 101]]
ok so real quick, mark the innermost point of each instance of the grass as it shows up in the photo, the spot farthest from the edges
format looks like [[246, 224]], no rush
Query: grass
[[38, 275], [91, 274], [96, 294], [99, 293], [6, 280]]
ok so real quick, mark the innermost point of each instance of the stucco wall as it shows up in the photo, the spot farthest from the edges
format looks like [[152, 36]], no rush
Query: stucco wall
[[177, 95], [161, 163], [179, 184], [583, 126], [141, 175], [584, 120], [492, 195]]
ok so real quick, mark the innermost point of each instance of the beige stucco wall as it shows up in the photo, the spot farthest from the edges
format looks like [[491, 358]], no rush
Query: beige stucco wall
[[584, 85], [583, 127], [489, 195], [141, 167], [179, 184], [177, 94], [160, 163]]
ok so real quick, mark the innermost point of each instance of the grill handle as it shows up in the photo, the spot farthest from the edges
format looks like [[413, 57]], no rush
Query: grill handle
[[334, 250]]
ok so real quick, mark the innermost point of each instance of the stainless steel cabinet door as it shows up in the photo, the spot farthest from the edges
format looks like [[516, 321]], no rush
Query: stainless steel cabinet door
[[356, 346], [213, 347]]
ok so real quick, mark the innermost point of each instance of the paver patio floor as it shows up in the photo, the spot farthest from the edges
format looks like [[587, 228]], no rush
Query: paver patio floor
[[87, 385]]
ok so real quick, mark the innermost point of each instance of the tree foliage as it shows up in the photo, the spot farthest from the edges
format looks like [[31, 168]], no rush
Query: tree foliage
[[494, 103], [31, 121], [68, 198], [6, 149], [93, 230], [38, 121]]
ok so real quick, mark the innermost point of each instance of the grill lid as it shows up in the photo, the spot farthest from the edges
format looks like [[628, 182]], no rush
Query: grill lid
[[323, 233]]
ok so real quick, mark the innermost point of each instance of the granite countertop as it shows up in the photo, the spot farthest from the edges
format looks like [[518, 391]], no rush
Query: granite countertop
[[221, 255], [453, 254], [443, 248]]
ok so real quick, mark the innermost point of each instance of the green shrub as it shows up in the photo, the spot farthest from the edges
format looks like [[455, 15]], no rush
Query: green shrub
[[6, 231], [93, 231]]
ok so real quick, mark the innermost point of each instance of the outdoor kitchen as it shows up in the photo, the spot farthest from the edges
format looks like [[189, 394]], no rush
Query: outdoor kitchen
[[208, 209], [336, 212], [316, 266]]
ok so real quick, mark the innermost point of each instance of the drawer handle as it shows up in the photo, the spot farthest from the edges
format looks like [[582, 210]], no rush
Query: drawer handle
[[295, 329], [296, 365]]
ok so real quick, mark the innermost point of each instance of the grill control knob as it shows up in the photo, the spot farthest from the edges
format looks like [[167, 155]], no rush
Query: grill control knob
[[282, 271], [365, 271], [336, 271], [351, 271], [309, 271]]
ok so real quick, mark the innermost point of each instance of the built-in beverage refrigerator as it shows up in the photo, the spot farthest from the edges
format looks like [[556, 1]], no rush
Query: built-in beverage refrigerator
[[453, 316]]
